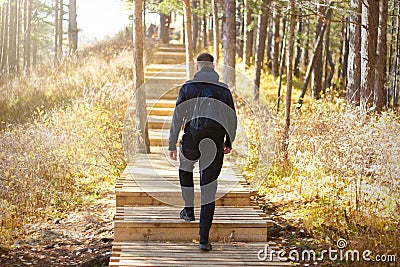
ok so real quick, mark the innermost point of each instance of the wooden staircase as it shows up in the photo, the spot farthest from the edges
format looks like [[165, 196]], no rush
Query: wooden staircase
[[148, 230]]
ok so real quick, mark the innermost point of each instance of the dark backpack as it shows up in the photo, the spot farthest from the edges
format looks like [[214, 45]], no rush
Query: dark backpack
[[206, 113]]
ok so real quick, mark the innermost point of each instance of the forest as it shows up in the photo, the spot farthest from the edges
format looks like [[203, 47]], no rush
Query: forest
[[322, 77]]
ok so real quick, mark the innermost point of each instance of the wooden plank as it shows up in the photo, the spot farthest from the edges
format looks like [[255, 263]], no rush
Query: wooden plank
[[187, 254], [163, 223]]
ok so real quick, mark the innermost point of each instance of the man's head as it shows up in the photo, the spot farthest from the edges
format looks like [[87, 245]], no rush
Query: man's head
[[205, 60]]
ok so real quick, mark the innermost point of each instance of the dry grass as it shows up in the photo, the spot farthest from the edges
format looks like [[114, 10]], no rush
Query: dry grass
[[341, 180], [60, 139]]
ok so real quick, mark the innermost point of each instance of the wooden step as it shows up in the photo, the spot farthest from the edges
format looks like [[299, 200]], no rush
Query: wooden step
[[168, 60], [151, 180], [143, 198], [158, 137], [181, 68], [179, 49], [154, 253], [166, 73], [162, 80], [159, 122], [160, 103], [157, 111], [162, 223]]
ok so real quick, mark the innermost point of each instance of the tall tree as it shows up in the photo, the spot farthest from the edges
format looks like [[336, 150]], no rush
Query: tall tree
[[393, 92], [195, 25], [381, 55], [298, 46], [290, 52], [260, 46], [316, 80], [12, 42], [60, 29], [72, 27], [164, 28], [344, 55], [143, 142], [205, 30], [353, 87], [369, 36], [214, 5], [4, 47], [247, 36], [276, 39], [188, 40], [56, 30], [229, 42], [317, 45], [329, 65], [27, 33]]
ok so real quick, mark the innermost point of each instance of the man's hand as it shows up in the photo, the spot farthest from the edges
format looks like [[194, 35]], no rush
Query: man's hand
[[172, 154], [227, 150]]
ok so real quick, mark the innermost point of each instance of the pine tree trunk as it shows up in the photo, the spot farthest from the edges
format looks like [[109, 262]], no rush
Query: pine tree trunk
[[270, 37], [247, 33], [380, 76], [369, 35], [6, 32], [316, 80], [298, 49], [34, 51], [3, 49], [195, 25], [188, 40], [60, 30], [261, 38], [394, 88], [306, 56], [142, 140], [354, 60], [275, 42], [205, 41], [281, 65], [229, 42], [19, 32], [12, 42], [329, 65], [27, 38], [318, 44], [164, 28], [214, 4], [56, 29], [72, 27], [290, 52], [344, 56]]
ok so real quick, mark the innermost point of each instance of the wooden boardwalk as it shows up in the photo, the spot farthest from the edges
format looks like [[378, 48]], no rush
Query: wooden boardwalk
[[148, 230]]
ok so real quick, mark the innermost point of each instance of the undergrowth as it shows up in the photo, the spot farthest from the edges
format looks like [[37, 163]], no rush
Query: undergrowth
[[341, 180], [61, 131]]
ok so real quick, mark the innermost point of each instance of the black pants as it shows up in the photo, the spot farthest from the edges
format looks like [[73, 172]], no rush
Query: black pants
[[210, 155]]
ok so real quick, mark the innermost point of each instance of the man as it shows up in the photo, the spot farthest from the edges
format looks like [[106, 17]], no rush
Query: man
[[205, 107]]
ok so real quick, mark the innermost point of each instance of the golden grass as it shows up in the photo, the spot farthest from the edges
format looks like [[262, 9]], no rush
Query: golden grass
[[341, 180], [61, 131]]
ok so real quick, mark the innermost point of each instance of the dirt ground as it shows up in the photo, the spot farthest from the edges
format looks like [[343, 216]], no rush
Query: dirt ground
[[82, 238]]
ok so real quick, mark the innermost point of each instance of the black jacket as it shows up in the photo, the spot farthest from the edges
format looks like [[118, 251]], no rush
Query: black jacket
[[206, 79]]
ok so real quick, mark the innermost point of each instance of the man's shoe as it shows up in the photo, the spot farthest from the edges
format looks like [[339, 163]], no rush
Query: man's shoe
[[186, 217], [205, 246]]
